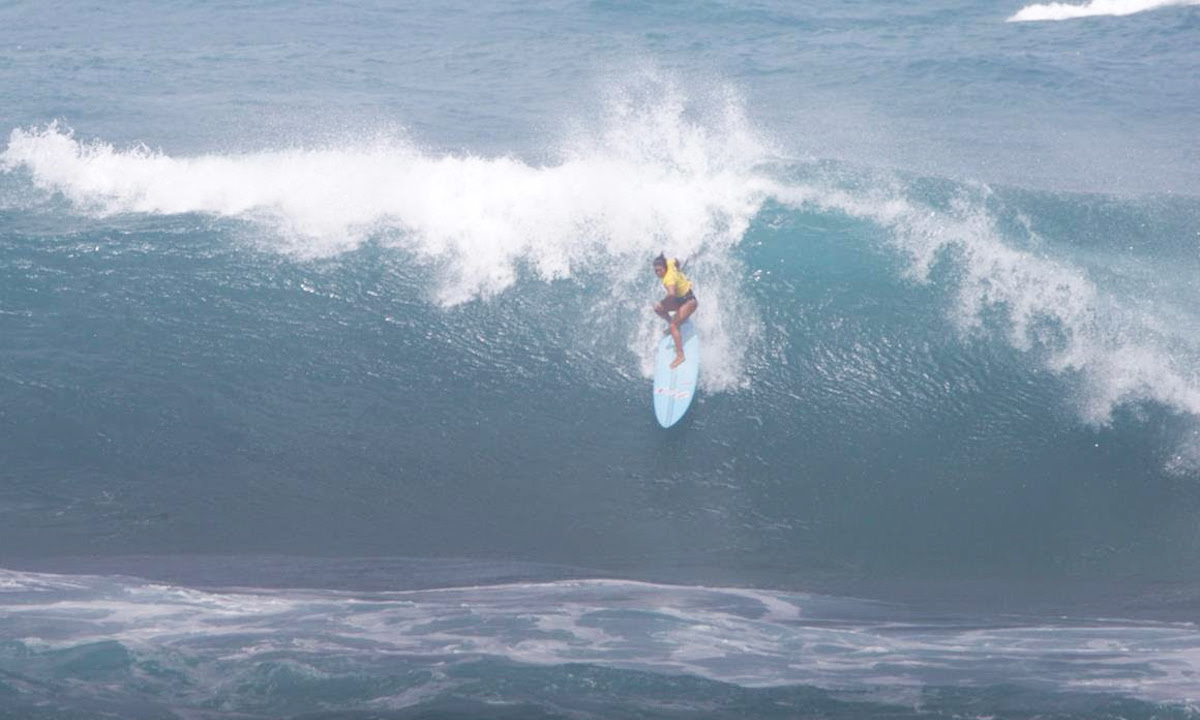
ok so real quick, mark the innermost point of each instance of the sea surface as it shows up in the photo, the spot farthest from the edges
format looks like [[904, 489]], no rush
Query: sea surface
[[326, 332]]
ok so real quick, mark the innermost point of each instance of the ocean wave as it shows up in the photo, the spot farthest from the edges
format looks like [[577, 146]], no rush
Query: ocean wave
[[660, 172]]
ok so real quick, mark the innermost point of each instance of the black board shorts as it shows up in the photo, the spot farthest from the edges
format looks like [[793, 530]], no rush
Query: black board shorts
[[679, 301]]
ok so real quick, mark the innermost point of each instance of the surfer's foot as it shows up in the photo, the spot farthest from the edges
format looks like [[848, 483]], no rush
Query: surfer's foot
[[678, 361]]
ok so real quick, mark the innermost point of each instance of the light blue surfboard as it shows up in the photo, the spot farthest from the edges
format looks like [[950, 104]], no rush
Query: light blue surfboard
[[674, 388]]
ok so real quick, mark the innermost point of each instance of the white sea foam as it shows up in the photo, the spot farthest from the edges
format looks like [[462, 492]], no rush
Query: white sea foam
[[1068, 11], [659, 172], [716, 633], [26, 582]]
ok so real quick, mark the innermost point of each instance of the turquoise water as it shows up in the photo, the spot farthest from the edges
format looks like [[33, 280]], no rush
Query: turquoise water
[[325, 344]]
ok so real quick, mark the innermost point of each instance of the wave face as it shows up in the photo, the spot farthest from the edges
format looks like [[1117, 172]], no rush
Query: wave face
[[362, 305]]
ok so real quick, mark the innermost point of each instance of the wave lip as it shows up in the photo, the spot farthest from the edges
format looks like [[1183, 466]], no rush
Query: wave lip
[[1096, 8]]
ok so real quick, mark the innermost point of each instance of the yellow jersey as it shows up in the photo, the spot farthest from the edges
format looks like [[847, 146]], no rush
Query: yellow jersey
[[673, 278]]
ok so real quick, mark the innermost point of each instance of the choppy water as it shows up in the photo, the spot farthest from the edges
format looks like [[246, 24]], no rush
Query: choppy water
[[325, 336]]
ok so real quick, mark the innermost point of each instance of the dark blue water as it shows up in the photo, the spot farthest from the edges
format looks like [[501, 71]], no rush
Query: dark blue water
[[325, 336]]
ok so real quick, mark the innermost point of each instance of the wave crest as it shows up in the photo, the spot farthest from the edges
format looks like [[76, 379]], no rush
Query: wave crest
[[1066, 11]]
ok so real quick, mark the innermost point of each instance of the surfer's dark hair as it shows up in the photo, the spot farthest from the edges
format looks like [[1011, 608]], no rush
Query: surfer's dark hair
[[661, 260]]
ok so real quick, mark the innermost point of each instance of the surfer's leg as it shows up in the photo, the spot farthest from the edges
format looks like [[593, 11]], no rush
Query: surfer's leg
[[674, 329], [683, 313], [662, 311]]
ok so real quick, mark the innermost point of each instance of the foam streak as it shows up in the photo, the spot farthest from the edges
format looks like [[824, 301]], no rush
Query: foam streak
[[1095, 8]]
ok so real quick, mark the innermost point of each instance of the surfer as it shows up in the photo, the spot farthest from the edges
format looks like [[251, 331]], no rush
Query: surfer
[[680, 299]]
